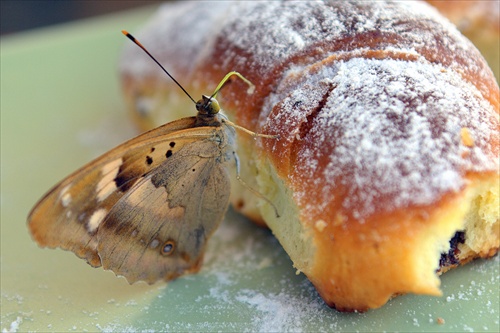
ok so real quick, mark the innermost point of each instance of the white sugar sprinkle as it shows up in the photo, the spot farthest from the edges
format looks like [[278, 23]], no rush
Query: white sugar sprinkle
[[280, 30], [14, 326], [408, 158], [411, 157]]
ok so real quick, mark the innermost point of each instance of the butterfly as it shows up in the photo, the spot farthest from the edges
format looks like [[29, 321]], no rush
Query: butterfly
[[146, 208]]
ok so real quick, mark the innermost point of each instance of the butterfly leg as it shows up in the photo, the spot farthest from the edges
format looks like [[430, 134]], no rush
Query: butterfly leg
[[243, 129], [248, 187]]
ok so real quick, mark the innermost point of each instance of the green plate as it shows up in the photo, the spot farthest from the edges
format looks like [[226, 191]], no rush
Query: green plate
[[60, 107]]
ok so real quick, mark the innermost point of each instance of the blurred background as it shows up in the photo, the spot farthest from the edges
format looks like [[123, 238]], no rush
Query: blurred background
[[19, 15]]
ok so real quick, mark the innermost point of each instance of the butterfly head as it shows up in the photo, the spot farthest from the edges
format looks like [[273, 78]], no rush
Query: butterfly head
[[207, 105]]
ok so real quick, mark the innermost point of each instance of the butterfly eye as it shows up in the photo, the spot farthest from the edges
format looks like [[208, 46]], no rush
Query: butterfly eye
[[213, 106], [168, 248], [207, 105]]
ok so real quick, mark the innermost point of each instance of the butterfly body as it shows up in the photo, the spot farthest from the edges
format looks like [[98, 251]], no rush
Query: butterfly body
[[146, 208]]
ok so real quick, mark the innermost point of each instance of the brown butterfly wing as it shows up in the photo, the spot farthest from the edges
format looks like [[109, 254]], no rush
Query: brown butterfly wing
[[67, 215], [178, 206]]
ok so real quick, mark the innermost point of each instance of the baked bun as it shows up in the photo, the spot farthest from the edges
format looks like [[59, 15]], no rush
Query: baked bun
[[386, 171]]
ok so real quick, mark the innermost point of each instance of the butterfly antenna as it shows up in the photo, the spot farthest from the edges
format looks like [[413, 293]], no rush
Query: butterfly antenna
[[132, 38]]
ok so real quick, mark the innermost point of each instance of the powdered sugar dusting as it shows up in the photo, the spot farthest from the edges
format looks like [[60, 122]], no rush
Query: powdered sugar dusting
[[376, 110], [279, 311], [231, 293], [14, 326], [271, 32], [390, 129]]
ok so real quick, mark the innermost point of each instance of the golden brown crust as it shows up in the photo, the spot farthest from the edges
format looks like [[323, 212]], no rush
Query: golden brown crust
[[388, 123], [384, 246]]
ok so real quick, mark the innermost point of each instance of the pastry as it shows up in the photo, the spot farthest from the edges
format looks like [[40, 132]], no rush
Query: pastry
[[386, 172]]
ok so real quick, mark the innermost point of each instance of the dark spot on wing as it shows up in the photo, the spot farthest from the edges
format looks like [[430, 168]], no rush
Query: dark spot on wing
[[123, 182], [117, 225], [152, 149], [149, 160], [168, 154], [172, 144], [125, 178], [239, 204], [110, 222], [199, 235]]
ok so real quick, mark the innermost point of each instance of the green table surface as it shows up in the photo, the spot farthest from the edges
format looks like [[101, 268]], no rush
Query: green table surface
[[61, 106]]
